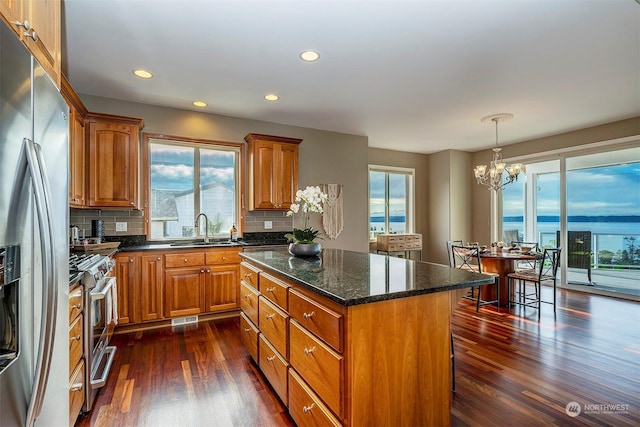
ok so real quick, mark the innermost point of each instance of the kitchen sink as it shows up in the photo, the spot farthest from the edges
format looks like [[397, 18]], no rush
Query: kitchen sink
[[207, 244]]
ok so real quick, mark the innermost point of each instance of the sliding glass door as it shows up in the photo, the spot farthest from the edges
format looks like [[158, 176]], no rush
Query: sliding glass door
[[600, 211]]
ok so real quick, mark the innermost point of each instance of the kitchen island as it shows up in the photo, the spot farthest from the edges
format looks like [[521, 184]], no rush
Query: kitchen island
[[352, 338]]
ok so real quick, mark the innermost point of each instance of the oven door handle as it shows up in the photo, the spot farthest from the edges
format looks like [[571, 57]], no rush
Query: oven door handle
[[102, 293], [109, 352]]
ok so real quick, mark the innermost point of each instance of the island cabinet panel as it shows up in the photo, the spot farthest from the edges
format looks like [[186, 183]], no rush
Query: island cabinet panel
[[249, 335], [383, 362], [320, 366], [275, 290], [274, 325], [274, 367], [305, 407], [249, 274], [407, 339], [317, 318]]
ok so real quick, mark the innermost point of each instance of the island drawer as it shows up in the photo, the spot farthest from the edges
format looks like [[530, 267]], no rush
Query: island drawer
[[274, 289], [305, 407], [249, 336], [75, 302], [274, 324], [75, 343], [320, 366], [190, 259], [215, 257], [249, 274], [274, 368], [317, 318], [249, 302]]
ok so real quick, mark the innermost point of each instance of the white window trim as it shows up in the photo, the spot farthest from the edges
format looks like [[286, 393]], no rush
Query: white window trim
[[410, 219]]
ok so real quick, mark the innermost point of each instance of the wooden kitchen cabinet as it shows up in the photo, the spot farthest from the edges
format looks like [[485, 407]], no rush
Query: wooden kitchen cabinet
[[44, 20], [273, 171], [127, 279], [76, 346], [184, 288], [114, 152], [151, 287], [77, 146]]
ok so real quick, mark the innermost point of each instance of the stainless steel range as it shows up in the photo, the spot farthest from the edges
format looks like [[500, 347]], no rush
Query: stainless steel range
[[100, 290]]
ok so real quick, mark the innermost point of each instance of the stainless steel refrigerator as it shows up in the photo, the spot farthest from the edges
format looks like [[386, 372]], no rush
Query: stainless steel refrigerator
[[34, 275]]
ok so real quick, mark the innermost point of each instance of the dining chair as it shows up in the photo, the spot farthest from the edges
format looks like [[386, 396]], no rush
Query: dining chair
[[526, 264], [468, 258], [544, 273]]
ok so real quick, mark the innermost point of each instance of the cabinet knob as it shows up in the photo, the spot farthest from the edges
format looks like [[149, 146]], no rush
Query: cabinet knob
[[247, 274], [76, 338], [201, 271], [270, 359], [78, 306], [247, 296], [186, 260], [208, 271], [270, 289], [31, 34], [308, 351], [76, 387], [247, 329], [25, 24], [306, 409], [224, 258], [269, 316], [308, 315], [130, 259]]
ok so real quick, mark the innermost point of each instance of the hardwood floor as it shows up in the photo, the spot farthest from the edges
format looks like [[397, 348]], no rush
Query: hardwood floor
[[511, 370]]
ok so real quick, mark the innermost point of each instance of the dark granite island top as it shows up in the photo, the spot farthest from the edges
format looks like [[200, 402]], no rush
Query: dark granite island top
[[352, 278]]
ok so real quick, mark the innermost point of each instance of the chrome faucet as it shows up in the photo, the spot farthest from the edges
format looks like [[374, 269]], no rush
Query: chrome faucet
[[206, 224]]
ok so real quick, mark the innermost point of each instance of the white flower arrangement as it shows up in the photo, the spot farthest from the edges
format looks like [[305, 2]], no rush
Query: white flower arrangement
[[307, 201]]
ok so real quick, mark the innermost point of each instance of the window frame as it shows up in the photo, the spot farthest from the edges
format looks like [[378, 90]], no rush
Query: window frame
[[238, 147], [410, 174]]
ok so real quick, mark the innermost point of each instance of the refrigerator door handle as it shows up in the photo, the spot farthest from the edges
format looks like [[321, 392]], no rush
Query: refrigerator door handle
[[42, 195]]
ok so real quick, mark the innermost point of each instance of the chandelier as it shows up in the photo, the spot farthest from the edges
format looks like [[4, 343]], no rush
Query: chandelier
[[493, 175]]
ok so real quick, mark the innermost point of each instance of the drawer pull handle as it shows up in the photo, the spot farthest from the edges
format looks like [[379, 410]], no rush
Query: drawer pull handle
[[76, 387], [270, 359], [270, 289], [269, 316], [247, 274], [306, 409], [247, 296], [308, 351], [308, 315], [78, 306], [247, 329], [76, 338]]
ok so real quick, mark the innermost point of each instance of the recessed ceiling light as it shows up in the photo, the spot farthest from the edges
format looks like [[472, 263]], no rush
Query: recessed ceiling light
[[143, 74], [271, 97], [309, 55], [199, 103]]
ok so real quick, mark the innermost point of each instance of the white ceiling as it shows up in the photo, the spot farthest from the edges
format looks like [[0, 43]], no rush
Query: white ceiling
[[411, 75]]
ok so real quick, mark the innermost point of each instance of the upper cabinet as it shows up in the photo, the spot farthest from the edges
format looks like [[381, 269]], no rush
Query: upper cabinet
[[37, 24], [273, 171], [77, 146], [114, 147]]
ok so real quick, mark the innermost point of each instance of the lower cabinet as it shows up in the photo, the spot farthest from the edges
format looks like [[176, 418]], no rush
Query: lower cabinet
[[159, 285], [76, 359]]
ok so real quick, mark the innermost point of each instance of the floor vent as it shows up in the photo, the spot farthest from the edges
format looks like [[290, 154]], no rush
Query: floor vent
[[184, 320]]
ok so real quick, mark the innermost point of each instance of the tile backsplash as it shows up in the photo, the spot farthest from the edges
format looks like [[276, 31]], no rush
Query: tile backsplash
[[254, 221]]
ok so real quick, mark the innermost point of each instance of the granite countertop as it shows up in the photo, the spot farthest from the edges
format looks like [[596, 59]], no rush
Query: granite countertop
[[150, 246], [352, 278]]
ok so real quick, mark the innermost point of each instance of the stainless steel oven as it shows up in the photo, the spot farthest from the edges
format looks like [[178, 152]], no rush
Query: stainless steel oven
[[100, 302]]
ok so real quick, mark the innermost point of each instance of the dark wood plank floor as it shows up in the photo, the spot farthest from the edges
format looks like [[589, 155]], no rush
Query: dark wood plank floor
[[511, 370]]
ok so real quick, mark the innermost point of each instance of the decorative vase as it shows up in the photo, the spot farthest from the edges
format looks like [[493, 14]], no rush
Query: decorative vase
[[304, 249]]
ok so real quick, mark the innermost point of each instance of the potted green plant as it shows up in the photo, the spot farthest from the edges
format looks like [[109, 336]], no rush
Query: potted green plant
[[308, 201]]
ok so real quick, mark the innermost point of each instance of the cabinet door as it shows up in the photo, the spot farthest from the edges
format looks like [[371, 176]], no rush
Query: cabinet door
[[265, 190], [127, 274], [44, 17], [76, 160], [184, 288], [222, 288], [151, 287], [287, 178], [113, 165]]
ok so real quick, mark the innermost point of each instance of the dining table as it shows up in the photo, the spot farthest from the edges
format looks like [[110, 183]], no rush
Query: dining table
[[502, 262]]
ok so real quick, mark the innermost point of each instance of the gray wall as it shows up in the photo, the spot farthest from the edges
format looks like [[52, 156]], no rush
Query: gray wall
[[324, 157]]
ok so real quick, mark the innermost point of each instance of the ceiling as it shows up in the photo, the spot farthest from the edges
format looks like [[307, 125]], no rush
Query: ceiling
[[412, 76]]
